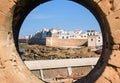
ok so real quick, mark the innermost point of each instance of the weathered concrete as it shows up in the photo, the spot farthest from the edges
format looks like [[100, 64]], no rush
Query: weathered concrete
[[12, 14], [69, 64], [62, 63]]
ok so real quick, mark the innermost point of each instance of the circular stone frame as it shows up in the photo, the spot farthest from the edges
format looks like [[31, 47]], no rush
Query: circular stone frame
[[13, 13]]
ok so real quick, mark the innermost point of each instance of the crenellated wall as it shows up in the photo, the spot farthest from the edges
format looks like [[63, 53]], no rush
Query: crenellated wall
[[12, 14]]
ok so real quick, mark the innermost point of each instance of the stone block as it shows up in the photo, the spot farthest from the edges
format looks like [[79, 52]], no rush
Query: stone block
[[117, 5], [115, 58], [109, 76], [102, 80], [105, 6], [115, 47], [114, 23]]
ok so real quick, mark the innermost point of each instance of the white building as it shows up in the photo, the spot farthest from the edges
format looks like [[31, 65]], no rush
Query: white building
[[99, 39], [61, 34], [94, 38], [70, 34], [83, 35]]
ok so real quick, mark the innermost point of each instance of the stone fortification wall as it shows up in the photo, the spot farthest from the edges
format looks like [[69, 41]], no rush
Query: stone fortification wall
[[55, 42]]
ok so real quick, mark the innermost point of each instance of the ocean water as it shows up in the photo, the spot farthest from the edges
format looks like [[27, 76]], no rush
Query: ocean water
[[22, 56]]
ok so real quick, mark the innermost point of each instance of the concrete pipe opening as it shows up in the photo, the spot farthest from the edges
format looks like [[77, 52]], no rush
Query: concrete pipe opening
[[13, 13]]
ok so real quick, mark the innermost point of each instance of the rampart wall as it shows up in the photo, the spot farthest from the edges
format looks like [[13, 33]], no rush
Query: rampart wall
[[55, 42]]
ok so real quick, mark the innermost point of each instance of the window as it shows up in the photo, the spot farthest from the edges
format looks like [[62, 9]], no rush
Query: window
[[91, 39], [99, 37], [67, 37], [98, 40]]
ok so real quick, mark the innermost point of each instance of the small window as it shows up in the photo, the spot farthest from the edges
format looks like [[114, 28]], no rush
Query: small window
[[91, 39], [99, 37], [98, 40], [67, 37]]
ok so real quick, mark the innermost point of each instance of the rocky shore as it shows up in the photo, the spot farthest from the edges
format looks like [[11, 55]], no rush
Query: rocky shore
[[38, 52]]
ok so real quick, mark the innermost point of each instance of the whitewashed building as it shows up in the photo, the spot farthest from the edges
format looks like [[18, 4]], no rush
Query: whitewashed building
[[62, 34], [99, 39], [83, 35], [70, 34], [94, 38]]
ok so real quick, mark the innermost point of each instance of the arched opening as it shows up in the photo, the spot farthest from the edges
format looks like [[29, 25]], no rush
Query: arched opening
[[93, 8], [10, 28], [72, 52]]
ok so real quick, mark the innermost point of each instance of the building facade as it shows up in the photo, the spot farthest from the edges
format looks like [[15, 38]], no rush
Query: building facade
[[94, 38]]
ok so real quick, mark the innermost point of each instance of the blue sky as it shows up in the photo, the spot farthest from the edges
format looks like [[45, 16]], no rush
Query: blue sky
[[60, 14]]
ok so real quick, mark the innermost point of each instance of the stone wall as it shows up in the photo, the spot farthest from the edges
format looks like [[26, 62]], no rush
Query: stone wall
[[55, 42], [12, 14]]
